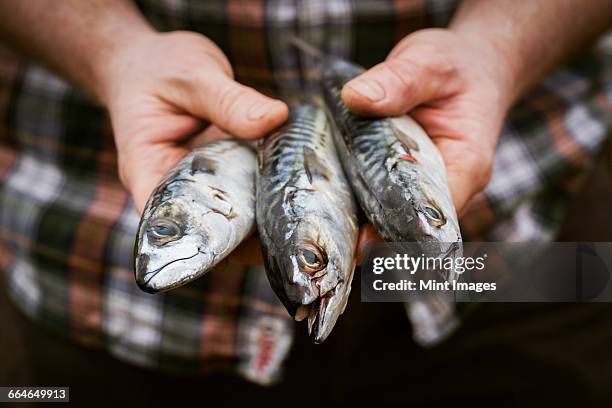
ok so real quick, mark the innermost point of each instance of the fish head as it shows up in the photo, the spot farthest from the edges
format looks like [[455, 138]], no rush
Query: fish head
[[421, 173], [435, 221], [173, 247], [336, 72], [316, 268]]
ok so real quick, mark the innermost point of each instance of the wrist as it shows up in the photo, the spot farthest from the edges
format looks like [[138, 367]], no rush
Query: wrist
[[113, 57], [495, 61]]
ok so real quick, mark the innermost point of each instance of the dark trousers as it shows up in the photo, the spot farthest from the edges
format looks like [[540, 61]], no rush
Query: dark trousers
[[504, 355]]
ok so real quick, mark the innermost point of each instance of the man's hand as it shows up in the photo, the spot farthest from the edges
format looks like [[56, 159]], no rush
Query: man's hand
[[444, 82], [441, 79], [458, 83], [160, 88]]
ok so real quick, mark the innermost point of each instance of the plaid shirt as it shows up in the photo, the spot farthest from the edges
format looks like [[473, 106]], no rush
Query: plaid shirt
[[67, 225]]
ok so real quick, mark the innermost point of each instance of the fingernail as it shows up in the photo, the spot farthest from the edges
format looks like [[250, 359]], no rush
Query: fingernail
[[260, 109], [370, 89]]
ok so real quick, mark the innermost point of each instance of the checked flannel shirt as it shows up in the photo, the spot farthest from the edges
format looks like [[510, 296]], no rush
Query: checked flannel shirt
[[67, 226]]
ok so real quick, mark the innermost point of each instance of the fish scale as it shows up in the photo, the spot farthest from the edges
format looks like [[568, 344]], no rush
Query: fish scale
[[399, 179], [371, 151], [306, 217], [197, 215]]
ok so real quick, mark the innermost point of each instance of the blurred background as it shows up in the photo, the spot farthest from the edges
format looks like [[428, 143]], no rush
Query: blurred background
[[556, 353]]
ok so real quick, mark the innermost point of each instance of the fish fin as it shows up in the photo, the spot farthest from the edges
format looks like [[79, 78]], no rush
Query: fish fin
[[313, 165], [203, 164], [260, 156], [405, 138]]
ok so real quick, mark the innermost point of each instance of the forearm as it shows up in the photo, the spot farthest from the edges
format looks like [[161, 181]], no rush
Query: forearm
[[76, 38], [531, 37]]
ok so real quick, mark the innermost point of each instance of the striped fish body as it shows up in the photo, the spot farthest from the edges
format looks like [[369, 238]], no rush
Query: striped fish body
[[306, 217], [399, 179], [395, 170], [196, 216]]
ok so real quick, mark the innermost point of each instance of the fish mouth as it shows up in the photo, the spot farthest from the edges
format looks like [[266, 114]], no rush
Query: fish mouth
[[322, 313], [455, 250], [151, 281]]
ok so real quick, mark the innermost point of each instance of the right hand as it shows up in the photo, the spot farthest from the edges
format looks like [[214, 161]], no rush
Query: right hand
[[160, 89]]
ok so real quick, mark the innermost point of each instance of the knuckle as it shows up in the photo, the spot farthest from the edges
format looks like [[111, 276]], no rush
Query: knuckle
[[227, 99], [123, 174], [440, 66], [486, 175], [473, 164], [432, 56], [423, 64], [480, 168], [404, 71]]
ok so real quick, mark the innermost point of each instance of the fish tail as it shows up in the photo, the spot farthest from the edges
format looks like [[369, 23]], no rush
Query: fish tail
[[434, 318]]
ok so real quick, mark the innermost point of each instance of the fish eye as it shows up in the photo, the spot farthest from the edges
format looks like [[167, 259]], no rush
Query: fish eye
[[434, 215], [311, 260], [164, 230]]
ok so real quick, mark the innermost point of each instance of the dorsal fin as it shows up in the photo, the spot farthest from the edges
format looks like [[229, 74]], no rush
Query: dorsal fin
[[313, 165], [260, 156], [403, 137]]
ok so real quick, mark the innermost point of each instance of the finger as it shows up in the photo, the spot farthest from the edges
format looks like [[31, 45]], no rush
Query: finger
[[367, 236], [419, 75], [468, 170], [146, 167], [468, 154], [235, 108], [148, 147]]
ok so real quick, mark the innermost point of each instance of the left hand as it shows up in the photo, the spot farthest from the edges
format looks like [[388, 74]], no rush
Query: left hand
[[456, 87]]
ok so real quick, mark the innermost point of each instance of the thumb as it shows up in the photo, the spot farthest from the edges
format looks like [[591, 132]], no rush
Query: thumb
[[235, 108], [400, 83]]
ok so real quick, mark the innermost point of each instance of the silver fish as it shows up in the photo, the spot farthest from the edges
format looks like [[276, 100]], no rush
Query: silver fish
[[197, 215], [396, 171], [306, 217], [399, 178]]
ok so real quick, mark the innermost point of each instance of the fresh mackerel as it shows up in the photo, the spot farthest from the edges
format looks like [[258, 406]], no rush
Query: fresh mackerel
[[397, 173], [399, 179], [306, 216], [196, 216]]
